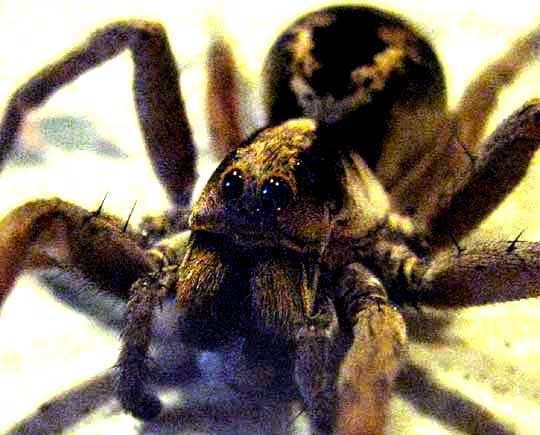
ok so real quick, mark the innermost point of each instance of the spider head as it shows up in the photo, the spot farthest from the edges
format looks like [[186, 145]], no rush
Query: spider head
[[271, 192]]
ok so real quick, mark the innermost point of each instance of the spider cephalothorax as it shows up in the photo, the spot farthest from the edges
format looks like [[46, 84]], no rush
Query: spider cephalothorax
[[313, 231], [259, 194]]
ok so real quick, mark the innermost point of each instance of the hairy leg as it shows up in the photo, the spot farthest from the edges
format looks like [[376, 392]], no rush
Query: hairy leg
[[460, 154], [485, 273], [451, 193], [482, 95], [207, 315], [133, 370], [372, 362], [318, 345], [345, 372], [501, 165], [223, 100], [47, 233], [157, 95]]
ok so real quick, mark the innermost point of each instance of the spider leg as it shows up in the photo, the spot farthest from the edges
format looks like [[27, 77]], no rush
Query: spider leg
[[503, 163], [157, 96], [223, 100], [484, 273], [315, 370], [346, 377], [55, 233], [481, 96], [147, 293], [460, 154], [372, 361], [451, 194], [206, 287]]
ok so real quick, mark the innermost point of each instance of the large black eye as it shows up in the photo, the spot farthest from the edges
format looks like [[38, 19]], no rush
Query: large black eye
[[276, 194], [232, 184]]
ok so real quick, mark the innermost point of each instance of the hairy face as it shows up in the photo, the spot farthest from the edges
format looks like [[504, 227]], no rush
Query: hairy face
[[266, 193]]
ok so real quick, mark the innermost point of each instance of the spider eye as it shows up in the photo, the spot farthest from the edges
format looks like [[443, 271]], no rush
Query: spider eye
[[232, 184], [276, 194]]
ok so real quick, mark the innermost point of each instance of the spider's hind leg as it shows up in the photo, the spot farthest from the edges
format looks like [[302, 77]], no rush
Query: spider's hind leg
[[477, 174], [505, 158], [481, 96]]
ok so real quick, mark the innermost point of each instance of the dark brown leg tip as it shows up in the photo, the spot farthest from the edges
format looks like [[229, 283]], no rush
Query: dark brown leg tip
[[143, 406]]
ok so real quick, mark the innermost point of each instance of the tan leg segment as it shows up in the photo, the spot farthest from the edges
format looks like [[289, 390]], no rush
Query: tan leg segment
[[157, 95], [47, 233], [461, 154], [222, 95], [479, 181], [485, 273], [367, 372], [482, 95], [503, 163]]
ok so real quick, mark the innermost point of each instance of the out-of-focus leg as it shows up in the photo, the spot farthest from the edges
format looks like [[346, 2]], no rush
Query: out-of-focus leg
[[497, 170], [482, 95], [223, 102]]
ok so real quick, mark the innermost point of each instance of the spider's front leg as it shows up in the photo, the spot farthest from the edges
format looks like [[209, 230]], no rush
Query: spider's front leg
[[345, 369], [55, 233], [207, 293], [318, 350], [368, 370], [147, 293]]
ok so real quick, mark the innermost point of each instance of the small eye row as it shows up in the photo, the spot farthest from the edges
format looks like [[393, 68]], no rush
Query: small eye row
[[275, 192]]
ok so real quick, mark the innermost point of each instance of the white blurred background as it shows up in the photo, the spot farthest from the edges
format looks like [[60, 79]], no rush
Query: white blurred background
[[491, 356]]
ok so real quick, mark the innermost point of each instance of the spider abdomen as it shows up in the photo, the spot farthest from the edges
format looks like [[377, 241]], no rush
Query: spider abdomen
[[358, 69]]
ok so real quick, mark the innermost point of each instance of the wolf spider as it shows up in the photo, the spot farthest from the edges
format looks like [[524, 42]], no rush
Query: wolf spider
[[313, 232]]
